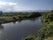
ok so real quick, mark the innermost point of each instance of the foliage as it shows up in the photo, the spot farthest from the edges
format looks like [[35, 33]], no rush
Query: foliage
[[15, 16], [47, 30], [29, 37]]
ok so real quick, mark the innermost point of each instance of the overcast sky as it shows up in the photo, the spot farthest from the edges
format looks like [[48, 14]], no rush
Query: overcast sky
[[24, 5]]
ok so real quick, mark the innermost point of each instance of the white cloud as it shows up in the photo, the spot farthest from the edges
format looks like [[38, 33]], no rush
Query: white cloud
[[12, 6], [7, 6], [2, 3], [7, 3], [10, 3]]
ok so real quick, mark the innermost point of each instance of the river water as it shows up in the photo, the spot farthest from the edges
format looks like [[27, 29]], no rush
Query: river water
[[19, 30]]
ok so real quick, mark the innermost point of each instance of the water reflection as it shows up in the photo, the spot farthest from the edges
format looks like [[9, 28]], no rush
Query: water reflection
[[1, 32], [1, 26], [31, 19]]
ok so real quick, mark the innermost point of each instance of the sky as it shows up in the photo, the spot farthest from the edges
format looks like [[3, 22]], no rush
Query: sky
[[25, 5]]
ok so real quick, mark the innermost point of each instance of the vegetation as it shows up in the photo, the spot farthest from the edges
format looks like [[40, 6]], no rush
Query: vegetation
[[49, 38], [29, 37], [46, 32], [17, 16]]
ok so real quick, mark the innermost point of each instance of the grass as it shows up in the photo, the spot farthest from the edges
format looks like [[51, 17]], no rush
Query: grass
[[19, 16], [46, 32], [29, 37], [49, 38]]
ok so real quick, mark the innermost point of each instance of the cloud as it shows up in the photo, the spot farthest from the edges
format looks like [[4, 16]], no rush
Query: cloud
[[13, 6], [7, 6], [7, 3]]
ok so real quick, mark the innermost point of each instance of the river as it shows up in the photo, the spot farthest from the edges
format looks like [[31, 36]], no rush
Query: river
[[19, 30]]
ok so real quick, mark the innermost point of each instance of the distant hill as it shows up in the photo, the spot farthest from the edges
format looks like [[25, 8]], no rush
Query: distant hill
[[29, 11]]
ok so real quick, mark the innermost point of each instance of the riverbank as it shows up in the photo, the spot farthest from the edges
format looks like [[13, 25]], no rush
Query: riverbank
[[46, 32], [17, 17]]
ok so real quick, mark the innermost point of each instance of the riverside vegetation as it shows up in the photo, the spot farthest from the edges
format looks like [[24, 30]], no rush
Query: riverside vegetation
[[46, 32], [17, 16]]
